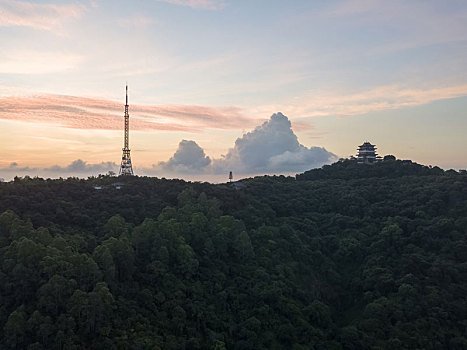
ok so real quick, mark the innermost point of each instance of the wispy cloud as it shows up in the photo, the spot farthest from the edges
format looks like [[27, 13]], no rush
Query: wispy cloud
[[89, 113], [37, 62], [39, 16], [198, 4], [342, 104], [76, 168], [301, 125], [136, 21], [355, 7], [421, 22]]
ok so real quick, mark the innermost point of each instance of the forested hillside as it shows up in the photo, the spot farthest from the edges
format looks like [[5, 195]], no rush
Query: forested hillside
[[344, 257]]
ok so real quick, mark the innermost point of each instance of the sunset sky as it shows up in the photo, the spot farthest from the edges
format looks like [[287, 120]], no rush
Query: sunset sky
[[211, 71]]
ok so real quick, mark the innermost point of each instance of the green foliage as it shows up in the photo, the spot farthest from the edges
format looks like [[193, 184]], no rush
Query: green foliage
[[344, 257], [388, 168]]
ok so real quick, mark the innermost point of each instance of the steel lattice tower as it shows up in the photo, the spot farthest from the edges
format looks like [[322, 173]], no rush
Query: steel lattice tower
[[126, 167]]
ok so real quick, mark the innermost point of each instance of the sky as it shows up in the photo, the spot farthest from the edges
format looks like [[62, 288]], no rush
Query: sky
[[249, 86]]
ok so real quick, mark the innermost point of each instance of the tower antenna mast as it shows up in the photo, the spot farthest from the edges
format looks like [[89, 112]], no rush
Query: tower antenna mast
[[126, 167]]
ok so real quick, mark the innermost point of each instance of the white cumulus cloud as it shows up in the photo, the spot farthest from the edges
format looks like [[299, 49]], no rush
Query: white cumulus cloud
[[188, 159], [270, 148]]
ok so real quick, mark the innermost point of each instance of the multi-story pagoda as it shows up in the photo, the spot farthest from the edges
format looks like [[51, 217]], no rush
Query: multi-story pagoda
[[367, 154]]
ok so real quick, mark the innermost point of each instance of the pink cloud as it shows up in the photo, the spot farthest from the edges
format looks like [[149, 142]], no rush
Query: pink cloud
[[343, 104], [136, 21], [198, 4], [302, 126], [39, 16], [90, 113], [26, 61]]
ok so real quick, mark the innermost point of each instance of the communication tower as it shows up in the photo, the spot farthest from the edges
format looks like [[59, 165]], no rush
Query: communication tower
[[126, 167]]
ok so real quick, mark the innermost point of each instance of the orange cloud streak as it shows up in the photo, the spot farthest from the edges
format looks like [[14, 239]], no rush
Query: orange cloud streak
[[90, 113]]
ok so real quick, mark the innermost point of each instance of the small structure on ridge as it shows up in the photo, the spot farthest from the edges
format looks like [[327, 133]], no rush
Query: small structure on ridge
[[367, 154]]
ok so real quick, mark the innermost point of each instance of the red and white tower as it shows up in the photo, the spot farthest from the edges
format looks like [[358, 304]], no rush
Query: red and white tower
[[126, 167]]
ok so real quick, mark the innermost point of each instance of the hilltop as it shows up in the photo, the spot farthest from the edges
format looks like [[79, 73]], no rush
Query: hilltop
[[390, 168], [344, 257]]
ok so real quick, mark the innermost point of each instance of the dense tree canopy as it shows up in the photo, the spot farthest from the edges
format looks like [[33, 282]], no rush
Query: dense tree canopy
[[344, 257]]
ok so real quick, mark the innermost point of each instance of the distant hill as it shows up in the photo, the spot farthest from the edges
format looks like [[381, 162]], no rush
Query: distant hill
[[344, 257], [348, 169]]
